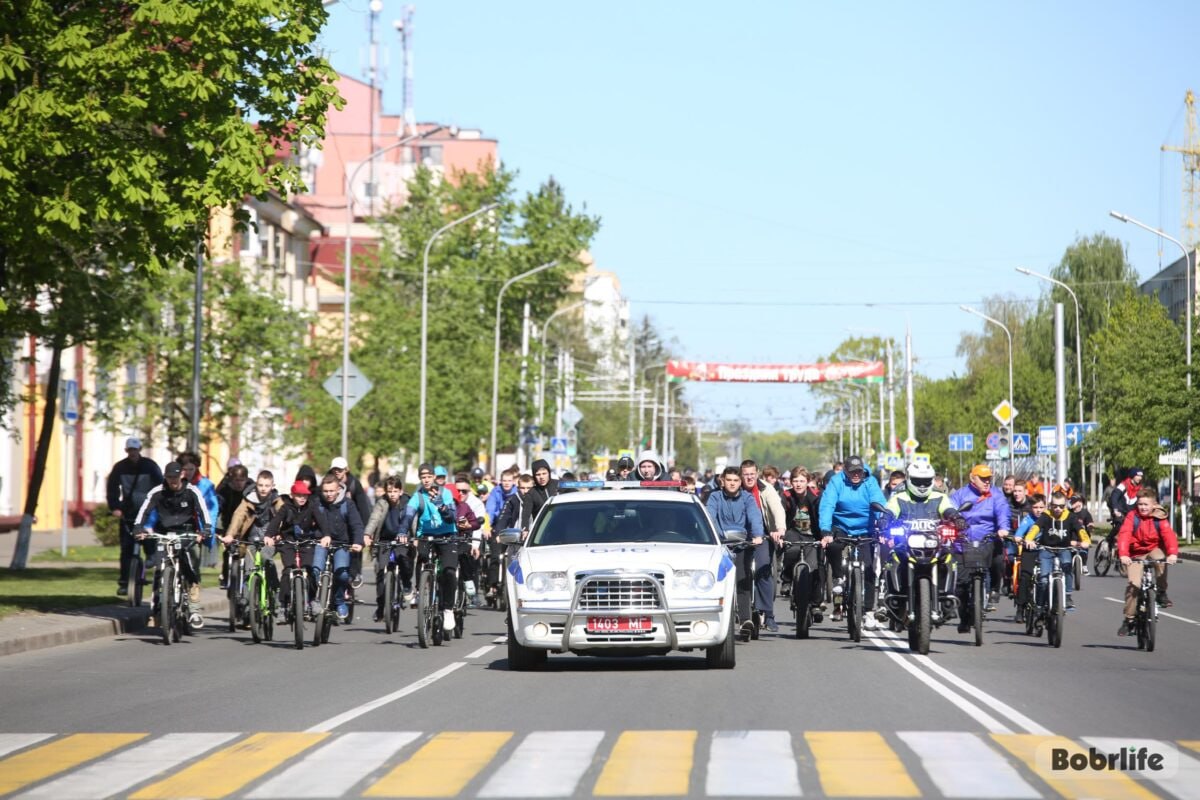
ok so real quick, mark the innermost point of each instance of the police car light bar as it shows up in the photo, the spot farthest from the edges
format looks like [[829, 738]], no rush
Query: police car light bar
[[621, 484]]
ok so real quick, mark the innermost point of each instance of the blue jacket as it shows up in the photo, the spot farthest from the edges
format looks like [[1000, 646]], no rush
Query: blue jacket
[[495, 501], [737, 513], [848, 506], [986, 515], [208, 490], [429, 519]]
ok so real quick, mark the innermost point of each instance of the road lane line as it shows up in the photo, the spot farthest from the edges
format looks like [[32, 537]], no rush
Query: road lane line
[[58, 756], [332, 769], [15, 741], [1161, 613], [500, 640], [1070, 784], [118, 773], [990, 723], [648, 764], [487, 648], [1185, 784], [990, 702], [365, 708], [962, 765], [1191, 744], [228, 770], [545, 764], [443, 767], [752, 764], [859, 764]]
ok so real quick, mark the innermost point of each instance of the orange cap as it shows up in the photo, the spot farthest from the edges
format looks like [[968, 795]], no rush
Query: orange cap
[[981, 471]]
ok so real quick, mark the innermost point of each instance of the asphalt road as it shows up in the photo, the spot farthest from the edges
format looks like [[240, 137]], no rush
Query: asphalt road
[[373, 714]]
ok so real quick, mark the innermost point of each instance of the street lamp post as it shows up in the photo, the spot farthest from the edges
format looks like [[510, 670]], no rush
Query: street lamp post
[[1189, 301], [496, 353], [545, 337], [1078, 358], [370, 159], [1008, 333], [425, 316]]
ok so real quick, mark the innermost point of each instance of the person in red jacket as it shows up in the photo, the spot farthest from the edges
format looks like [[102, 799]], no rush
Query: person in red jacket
[[1145, 533]]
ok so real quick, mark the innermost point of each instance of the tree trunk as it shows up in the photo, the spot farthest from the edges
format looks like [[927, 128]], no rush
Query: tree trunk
[[24, 533]]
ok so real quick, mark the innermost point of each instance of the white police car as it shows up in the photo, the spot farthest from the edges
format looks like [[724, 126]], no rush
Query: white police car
[[620, 571]]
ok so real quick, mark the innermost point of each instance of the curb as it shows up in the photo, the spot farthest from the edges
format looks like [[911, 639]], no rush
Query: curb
[[41, 631], [1189, 555]]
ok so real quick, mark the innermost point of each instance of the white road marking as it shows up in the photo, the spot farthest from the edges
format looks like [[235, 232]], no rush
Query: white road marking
[[961, 765], [365, 708], [752, 764], [481, 651], [989, 701], [1184, 784], [989, 722], [15, 741], [500, 640], [333, 769], [115, 774], [545, 764], [1161, 613]]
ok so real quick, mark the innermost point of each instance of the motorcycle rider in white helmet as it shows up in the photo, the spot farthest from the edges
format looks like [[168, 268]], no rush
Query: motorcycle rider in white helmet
[[918, 507]]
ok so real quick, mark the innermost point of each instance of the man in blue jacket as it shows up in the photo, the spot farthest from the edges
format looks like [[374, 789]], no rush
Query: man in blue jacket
[[846, 506], [500, 494], [989, 513], [733, 509]]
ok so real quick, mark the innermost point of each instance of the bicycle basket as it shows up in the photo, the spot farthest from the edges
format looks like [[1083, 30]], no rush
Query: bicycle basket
[[976, 555]]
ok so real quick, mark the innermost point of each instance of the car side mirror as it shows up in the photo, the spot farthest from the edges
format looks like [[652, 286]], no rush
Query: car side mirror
[[509, 536]]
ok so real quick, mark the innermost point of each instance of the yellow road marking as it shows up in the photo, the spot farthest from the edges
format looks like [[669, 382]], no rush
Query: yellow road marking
[[443, 767], [1068, 783], [228, 770], [648, 763], [51, 759], [859, 764], [1192, 744]]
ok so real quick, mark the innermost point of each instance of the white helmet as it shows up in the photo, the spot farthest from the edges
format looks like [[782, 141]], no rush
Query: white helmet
[[920, 479]]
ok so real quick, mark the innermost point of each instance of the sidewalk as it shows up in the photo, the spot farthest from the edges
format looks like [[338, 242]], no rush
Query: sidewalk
[[23, 632]]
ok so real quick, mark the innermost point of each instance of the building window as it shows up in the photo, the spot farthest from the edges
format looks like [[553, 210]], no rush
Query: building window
[[431, 155]]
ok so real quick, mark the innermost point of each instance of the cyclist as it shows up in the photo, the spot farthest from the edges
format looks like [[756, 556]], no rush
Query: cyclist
[[989, 513], [497, 497], [434, 509], [733, 509], [130, 481], [918, 508], [384, 526], [297, 520], [1057, 527], [515, 513], [230, 491], [250, 519], [358, 496], [624, 468], [208, 490], [801, 509], [1029, 556], [846, 505], [1124, 497], [544, 487], [1078, 504], [774, 523], [175, 505], [895, 483], [343, 526], [471, 518], [649, 468], [1145, 533]]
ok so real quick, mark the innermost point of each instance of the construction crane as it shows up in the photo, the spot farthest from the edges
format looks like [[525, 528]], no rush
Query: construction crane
[[1190, 222]]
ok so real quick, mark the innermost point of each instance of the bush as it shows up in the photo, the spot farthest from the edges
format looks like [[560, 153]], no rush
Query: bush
[[107, 527]]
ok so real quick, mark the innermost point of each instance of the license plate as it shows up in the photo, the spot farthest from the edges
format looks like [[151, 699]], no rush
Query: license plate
[[618, 624]]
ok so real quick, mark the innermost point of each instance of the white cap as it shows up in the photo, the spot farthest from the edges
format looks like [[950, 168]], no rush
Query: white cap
[[339, 463], [133, 443]]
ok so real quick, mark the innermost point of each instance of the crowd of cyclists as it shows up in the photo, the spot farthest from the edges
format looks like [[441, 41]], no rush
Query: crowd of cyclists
[[1017, 533]]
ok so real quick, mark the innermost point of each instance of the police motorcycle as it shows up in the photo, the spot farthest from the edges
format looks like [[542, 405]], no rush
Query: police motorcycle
[[920, 580]]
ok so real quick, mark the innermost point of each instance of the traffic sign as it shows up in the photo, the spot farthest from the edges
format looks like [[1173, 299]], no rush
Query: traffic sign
[[1078, 431], [558, 445], [993, 440], [571, 415], [1047, 440], [992, 455], [894, 461], [358, 387], [1177, 458], [70, 405], [1004, 413], [910, 445], [962, 442], [1020, 444]]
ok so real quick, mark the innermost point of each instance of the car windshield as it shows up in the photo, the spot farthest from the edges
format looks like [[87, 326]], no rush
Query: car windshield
[[613, 520]]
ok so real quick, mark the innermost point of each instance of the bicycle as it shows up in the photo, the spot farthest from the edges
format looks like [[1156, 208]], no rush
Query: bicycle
[[430, 625], [806, 594], [297, 577], [260, 606], [137, 577], [393, 590], [1053, 612], [750, 629], [174, 604], [325, 614], [977, 563], [1145, 621], [235, 588], [855, 596]]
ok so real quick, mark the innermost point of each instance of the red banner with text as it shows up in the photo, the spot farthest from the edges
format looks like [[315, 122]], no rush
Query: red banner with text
[[775, 373]]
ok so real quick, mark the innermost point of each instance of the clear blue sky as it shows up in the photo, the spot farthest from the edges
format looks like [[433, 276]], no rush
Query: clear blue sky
[[764, 170]]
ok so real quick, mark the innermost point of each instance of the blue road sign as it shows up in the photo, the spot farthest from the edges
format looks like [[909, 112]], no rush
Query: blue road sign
[[968, 442], [993, 440], [1047, 440], [558, 445], [1020, 444], [70, 407]]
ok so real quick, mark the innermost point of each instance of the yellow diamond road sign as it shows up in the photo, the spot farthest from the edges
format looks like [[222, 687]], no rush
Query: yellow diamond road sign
[[1004, 413], [910, 445]]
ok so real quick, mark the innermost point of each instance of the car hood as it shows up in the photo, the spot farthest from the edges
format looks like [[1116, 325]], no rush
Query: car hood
[[648, 556]]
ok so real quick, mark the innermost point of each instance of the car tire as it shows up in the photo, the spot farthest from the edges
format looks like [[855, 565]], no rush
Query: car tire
[[521, 658], [723, 655]]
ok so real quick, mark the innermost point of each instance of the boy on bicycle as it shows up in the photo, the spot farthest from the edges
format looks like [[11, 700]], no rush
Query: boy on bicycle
[[1058, 527], [435, 511], [1144, 535], [174, 506]]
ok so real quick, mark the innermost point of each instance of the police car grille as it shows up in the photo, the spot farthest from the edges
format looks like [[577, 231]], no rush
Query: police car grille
[[608, 594]]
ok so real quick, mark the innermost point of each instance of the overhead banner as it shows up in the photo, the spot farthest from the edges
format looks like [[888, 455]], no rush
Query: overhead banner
[[775, 373]]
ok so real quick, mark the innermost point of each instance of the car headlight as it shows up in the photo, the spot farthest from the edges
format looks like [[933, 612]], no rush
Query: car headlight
[[694, 580], [542, 582]]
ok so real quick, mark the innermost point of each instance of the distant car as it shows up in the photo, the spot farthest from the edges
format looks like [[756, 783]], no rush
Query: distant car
[[619, 572]]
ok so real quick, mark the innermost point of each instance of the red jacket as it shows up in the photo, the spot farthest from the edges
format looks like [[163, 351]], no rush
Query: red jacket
[[1149, 534]]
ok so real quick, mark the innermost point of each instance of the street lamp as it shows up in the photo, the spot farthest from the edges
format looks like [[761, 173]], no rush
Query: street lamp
[[1008, 333], [544, 337], [496, 353], [1078, 353], [425, 315], [345, 451], [1187, 265]]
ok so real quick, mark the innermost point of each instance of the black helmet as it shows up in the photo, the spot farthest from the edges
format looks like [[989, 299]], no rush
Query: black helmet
[[624, 462], [477, 473]]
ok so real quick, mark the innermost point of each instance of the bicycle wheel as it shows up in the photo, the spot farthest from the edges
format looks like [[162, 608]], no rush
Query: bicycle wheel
[[1077, 570], [390, 613], [1102, 558], [299, 593], [1054, 620], [166, 602], [255, 590], [425, 608], [460, 609], [233, 589], [854, 606], [1151, 632], [977, 608], [323, 589], [801, 594], [134, 586]]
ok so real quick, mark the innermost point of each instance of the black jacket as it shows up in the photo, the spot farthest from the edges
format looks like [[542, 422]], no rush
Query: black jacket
[[796, 507], [128, 485], [294, 523], [343, 524]]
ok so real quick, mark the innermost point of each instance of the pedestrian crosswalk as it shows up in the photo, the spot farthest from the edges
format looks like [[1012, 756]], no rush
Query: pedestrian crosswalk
[[573, 763]]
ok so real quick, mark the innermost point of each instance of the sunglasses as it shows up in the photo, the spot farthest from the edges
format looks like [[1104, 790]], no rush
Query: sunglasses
[[1058, 506]]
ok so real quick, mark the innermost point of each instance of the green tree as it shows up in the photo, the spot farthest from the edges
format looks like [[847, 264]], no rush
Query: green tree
[[121, 127]]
